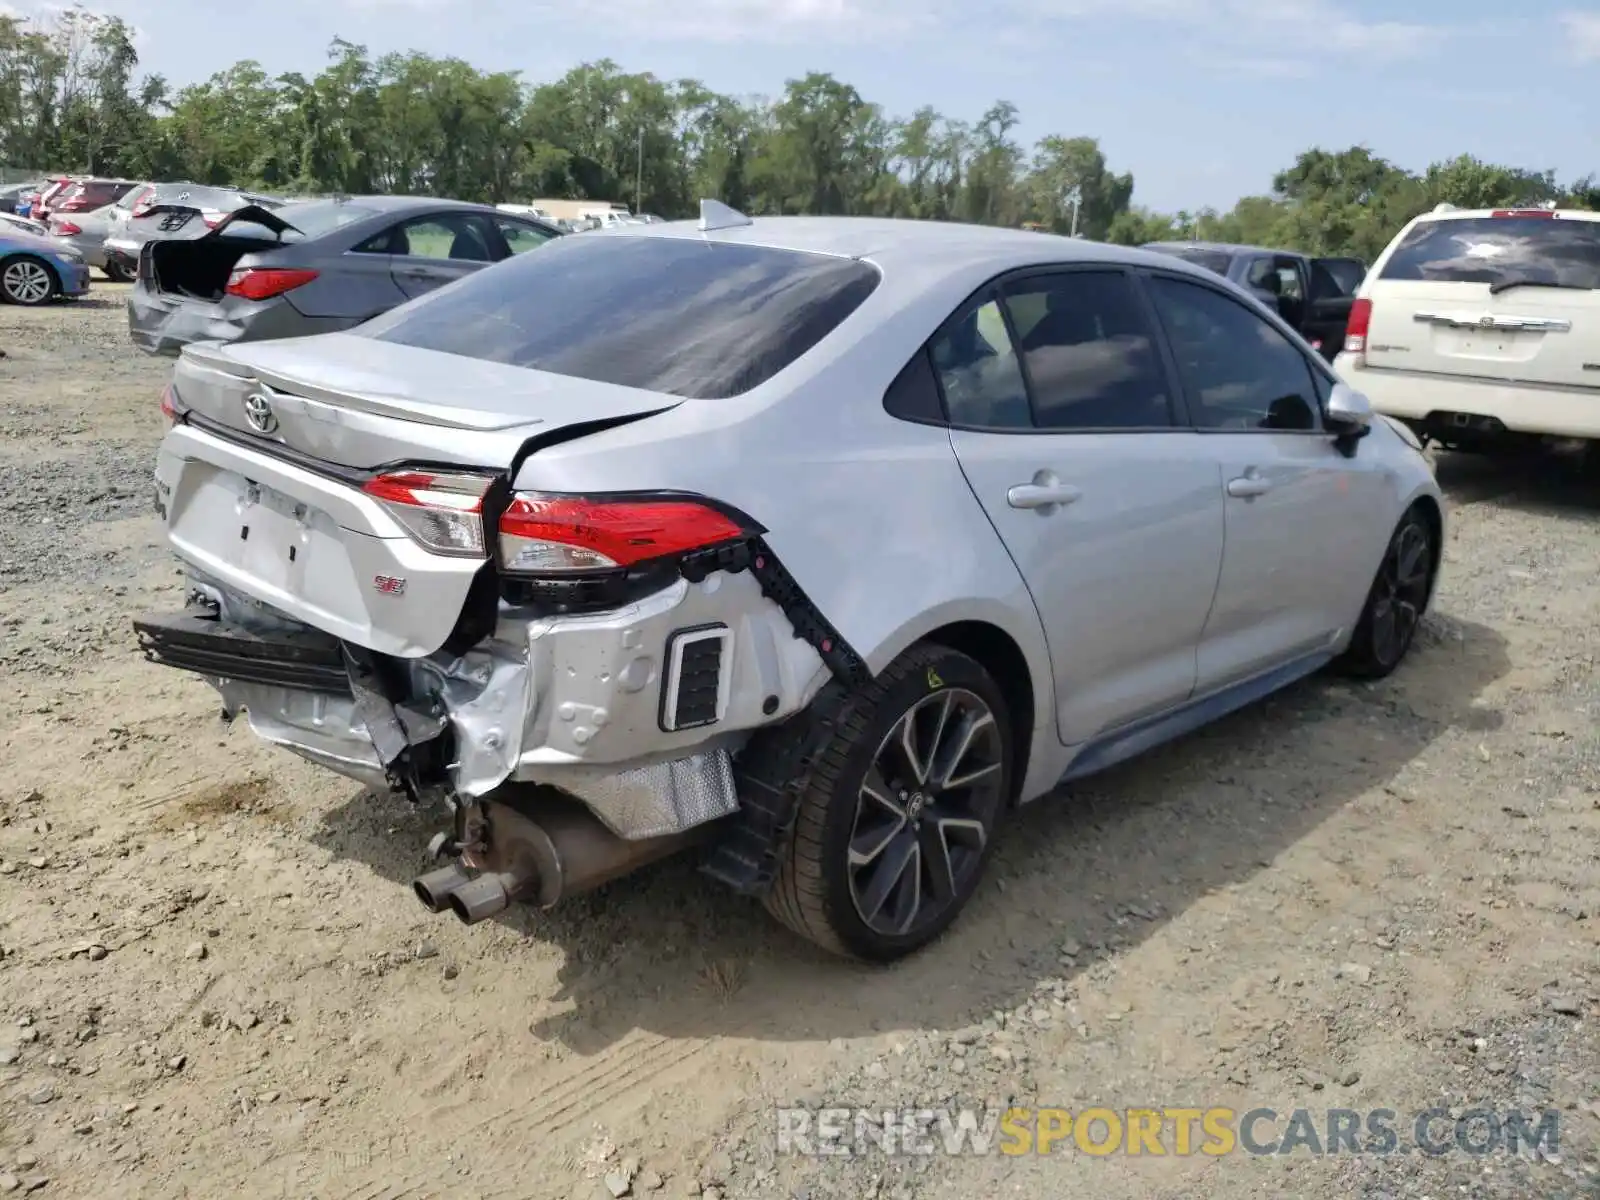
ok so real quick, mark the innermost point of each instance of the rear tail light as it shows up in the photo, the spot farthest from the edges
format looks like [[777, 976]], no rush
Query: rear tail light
[[263, 283], [563, 536], [442, 511], [1355, 331], [67, 229]]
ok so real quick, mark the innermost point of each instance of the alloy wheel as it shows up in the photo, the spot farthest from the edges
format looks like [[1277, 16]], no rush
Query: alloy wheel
[[27, 282], [1402, 592], [924, 812]]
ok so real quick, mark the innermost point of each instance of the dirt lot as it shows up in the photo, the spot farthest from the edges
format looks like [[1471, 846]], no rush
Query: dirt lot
[[215, 980]]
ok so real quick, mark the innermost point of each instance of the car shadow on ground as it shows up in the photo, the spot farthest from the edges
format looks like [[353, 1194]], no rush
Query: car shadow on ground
[[1564, 484], [1105, 863]]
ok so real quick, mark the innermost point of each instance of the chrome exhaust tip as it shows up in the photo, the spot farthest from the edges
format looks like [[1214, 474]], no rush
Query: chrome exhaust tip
[[436, 887], [479, 898]]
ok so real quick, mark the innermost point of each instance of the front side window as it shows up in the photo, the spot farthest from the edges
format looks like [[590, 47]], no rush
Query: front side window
[[1090, 352], [1239, 372], [683, 316], [979, 372]]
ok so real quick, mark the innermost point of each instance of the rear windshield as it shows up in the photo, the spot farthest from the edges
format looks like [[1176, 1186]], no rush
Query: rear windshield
[[317, 217], [1499, 249], [1212, 260], [702, 320]]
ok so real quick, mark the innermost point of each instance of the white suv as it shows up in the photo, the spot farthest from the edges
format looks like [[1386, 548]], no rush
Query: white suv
[[1481, 329]]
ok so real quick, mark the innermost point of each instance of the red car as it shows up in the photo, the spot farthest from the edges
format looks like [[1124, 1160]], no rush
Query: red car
[[53, 187]]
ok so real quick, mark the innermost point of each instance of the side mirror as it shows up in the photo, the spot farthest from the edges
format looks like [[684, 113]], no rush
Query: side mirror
[[1348, 409], [1348, 417]]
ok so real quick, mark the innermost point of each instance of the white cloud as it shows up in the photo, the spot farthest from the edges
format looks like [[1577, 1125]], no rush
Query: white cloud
[[723, 20], [1582, 35], [1321, 26]]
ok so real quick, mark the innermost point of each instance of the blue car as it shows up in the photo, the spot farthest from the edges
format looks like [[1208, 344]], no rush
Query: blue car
[[35, 270]]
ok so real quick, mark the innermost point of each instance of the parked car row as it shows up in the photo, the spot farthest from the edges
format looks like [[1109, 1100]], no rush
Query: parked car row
[[35, 268]]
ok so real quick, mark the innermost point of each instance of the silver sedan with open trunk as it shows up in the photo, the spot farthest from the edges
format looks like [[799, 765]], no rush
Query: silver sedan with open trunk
[[816, 543], [313, 267]]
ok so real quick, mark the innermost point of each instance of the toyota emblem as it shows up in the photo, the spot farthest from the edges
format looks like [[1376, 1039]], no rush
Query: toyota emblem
[[258, 411]]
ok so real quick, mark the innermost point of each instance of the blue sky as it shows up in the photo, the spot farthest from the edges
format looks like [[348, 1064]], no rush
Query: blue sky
[[1201, 99]]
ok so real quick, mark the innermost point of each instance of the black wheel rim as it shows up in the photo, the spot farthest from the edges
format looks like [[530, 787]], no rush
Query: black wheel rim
[[924, 812], [1401, 593]]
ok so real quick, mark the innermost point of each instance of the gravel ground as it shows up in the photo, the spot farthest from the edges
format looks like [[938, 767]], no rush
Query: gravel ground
[[213, 978]]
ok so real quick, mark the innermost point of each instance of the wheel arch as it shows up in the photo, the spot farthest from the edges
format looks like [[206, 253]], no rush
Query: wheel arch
[[55, 275], [1428, 504], [998, 653]]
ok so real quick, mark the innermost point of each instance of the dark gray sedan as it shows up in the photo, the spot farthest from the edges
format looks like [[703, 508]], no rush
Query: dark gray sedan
[[314, 267]]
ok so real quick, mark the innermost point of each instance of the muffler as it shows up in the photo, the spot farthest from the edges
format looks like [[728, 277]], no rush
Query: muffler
[[547, 848]]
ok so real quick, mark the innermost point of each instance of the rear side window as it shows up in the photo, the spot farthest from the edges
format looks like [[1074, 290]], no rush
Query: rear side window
[[702, 320], [1499, 250], [315, 218]]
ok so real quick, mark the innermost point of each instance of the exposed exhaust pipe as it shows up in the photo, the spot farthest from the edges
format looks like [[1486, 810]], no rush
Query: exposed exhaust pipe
[[434, 888], [546, 849]]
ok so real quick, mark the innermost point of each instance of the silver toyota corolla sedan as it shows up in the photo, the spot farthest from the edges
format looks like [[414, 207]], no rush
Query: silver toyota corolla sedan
[[817, 544]]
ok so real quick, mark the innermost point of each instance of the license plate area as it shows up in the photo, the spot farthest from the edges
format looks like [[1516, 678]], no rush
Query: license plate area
[[1492, 345], [272, 543], [277, 537]]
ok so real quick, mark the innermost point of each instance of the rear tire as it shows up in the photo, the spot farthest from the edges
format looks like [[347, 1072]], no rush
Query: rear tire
[[116, 272], [1395, 604], [27, 281], [898, 815]]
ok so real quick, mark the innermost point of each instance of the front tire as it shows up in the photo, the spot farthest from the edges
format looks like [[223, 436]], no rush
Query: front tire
[[27, 281], [900, 808], [1396, 601]]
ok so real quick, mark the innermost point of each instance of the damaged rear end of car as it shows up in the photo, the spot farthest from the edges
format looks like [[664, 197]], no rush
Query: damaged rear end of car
[[380, 585]]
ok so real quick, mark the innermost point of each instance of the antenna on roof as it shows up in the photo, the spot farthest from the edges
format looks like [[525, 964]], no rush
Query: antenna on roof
[[716, 215]]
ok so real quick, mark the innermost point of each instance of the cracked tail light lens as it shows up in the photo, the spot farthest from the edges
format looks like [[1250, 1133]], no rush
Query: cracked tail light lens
[[565, 535], [442, 511]]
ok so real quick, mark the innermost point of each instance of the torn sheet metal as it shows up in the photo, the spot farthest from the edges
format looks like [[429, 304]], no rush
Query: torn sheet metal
[[569, 702]]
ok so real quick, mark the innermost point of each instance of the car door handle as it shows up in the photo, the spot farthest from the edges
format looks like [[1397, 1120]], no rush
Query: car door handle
[[1247, 486], [1041, 495]]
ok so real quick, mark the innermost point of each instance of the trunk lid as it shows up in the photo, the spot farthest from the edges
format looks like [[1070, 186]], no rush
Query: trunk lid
[[197, 268], [353, 402], [265, 510]]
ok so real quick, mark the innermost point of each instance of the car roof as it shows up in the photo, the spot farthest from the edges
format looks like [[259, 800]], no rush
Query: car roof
[[889, 241], [1230, 248], [387, 204], [1457, 214]]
